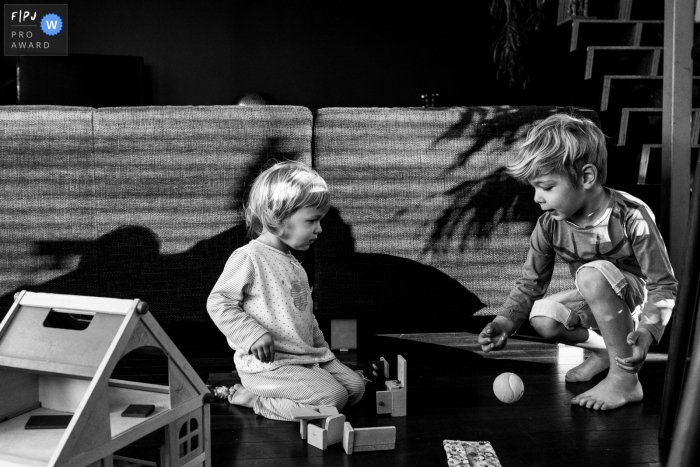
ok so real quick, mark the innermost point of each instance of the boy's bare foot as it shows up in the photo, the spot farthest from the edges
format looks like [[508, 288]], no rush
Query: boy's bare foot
[[596, 362], [616, 390], [242, 397]]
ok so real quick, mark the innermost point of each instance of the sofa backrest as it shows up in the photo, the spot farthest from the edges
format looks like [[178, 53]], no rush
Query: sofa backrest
[[134, 202], [425, 230], [144, 202]]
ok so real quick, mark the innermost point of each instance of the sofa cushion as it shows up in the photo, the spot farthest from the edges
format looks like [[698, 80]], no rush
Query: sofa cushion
[[425, 229]]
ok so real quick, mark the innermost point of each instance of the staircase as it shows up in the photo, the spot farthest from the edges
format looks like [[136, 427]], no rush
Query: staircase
[[614, 51]]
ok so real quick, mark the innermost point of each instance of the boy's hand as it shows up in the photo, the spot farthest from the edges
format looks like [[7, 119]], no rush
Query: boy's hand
[[264, 349], [495, 334], [640, 340]]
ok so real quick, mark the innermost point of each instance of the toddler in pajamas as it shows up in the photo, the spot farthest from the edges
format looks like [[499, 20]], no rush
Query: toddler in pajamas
[[262, 302]]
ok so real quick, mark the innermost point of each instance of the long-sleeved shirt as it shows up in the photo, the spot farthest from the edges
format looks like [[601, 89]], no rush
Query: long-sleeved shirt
[[626, 235], [263, 290]]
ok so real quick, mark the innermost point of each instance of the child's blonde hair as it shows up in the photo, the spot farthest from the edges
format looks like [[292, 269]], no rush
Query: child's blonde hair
[[561, 144], [279, 192]]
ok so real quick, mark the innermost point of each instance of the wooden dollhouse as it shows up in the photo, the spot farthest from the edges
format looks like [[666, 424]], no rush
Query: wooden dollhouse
[[57, 353]]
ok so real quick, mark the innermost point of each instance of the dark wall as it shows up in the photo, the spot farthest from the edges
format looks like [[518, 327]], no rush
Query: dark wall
[[314, 54]]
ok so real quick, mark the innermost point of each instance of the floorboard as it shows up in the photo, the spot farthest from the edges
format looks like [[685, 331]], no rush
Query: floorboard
[[450, 397]]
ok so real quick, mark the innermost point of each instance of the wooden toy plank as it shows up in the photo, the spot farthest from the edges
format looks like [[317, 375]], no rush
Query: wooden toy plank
[[308, 413], [398, 403], [334, 426], [402, 370], [148, 387], [375, 435], [76, 302], [129, 460], [375, 447], [304, 429], [318, 436], [348, 438]]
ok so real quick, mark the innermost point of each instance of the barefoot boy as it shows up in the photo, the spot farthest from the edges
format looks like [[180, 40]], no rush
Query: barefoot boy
[[625, 288]]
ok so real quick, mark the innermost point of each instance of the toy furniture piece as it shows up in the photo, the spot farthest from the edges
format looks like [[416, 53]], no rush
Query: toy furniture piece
[[57, 353], [368, 439], [343, 334], [305, 414], [330, 432], [393, 400]]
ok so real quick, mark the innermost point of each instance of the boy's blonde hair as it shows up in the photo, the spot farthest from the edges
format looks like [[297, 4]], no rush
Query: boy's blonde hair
[[279, 192], [561, 144]]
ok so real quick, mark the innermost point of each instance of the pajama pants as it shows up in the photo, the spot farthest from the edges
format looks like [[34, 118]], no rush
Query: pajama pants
[[314, 385]]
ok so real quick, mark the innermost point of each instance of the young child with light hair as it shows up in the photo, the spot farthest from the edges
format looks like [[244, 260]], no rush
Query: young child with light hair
[[262, 302], [624, 284]]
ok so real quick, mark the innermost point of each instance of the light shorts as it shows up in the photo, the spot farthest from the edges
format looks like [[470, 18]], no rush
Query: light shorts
[[571, 309]]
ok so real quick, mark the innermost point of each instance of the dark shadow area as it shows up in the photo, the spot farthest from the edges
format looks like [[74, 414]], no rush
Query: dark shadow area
[[388, 294], [143, 365]]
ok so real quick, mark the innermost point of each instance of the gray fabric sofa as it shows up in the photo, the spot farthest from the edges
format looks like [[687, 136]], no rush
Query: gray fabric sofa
[[425, 230]]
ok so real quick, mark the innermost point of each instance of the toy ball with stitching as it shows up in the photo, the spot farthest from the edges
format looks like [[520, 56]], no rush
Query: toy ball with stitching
[[508, 387]]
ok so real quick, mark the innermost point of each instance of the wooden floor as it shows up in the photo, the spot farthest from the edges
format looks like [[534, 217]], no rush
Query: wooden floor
[[450, 397]]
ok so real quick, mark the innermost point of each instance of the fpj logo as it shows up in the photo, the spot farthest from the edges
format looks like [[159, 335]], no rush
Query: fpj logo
[[36, 30]]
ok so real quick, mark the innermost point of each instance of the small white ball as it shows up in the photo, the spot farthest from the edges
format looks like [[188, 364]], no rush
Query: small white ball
[[508, 387]]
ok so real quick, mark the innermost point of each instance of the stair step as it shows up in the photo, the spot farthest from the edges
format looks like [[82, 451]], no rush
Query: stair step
[[636, 91], [611, 9], [585, 32], [646, 126], [623, 60], [650, 163]]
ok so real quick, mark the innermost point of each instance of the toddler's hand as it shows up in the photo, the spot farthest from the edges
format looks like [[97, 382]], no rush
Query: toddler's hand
[[493, 337], [264, 349], [640, 340]]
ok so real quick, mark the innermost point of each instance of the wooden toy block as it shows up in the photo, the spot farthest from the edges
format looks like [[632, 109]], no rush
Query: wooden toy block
[[368, 439], [384, 402], [378, 371], [304, 414], [343, 334], [318, 436], [393, 400], [348, 438], [334, 426]]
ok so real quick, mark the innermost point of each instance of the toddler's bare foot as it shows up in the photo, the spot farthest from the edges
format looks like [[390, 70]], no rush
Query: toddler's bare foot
[[242, 397], [595, 363], [616, 390]]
